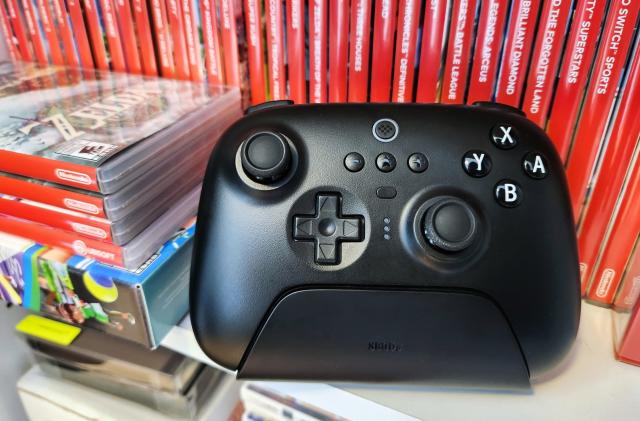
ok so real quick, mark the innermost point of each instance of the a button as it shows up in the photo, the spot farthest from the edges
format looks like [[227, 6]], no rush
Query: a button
[[385, 130], [386, 162], [504, 136], [354, 162], [535, 165], [450, 225], [500, 107], [508, 193], [386, 192], [476, 163], [266, 157], [269, 104], [417, 162], [328, 228]]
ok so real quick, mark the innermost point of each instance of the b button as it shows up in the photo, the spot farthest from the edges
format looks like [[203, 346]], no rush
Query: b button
[[535, 165], [508, 193], [476, 163]]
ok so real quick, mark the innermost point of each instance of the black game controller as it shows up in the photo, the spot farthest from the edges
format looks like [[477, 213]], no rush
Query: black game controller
[[386, 243]]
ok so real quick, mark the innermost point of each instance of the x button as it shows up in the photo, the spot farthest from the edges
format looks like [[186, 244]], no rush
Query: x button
[[328, 228], [504, 136]]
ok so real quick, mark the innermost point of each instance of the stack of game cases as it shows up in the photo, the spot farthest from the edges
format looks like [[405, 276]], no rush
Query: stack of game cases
[[104, 165]]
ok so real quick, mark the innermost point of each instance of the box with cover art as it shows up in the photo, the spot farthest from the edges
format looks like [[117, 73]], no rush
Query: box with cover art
[[140, 305]]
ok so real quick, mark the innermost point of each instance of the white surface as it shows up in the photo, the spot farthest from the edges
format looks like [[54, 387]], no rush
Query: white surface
[[590, 385], [47, 398], [335, 401]]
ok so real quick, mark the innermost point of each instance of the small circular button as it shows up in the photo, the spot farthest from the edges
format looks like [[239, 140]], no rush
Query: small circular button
[[477, 163], [535, 165], [418, 162], [385, 130], [354, 162], [504, 136], [327, 227], [266, 157], [450, 225], [386, 162], [508, 193]]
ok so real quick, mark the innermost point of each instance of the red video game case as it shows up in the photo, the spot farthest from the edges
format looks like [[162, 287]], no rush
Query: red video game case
[[619, 246], [517, 49], [545, 60], [384, 29], [599, 99], [359, 43], [318, 51], [295, 51], [618, 158], [338, 49], [406, 43], [461, 39], [275, 49], [486, 57], [579, 52], [434, 31]]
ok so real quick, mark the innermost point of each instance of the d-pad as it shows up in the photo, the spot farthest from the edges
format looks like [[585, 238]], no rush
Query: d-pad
[[328, 228]]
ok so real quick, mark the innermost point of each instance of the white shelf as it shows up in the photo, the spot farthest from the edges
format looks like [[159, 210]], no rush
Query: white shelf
[[589, 385]]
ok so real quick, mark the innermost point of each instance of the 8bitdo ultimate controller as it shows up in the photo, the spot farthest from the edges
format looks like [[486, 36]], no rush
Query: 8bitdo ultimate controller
[[387, 243]]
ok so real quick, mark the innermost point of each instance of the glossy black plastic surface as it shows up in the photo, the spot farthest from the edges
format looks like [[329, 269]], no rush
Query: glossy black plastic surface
[[523, 259]]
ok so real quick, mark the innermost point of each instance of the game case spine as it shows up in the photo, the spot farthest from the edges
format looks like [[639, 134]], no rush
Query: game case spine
[[434, 29], [128, 36], [619, 246], [617, 159], [295, 50], [18, 26], [599, 98], [317, 51], [113, 36], [211, 41], [229, 43], [275, 49], [96, 228], [629, 292], [95, 34], [384, 29], [406, 40], [61, 19], [80, 33], [253, 17], [54, 237], [486, 57], [456, 67], [338, 49], [8, 34], [545, 60], [145, 41], [192, 40], [178, 41], [162, 36], [578, 56], [49, 28], [359, 44], [33, 29], [66, 173], [517, 49], [54, 196]]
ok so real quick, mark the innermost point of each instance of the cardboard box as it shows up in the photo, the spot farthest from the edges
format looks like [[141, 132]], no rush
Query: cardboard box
[[141, 305]]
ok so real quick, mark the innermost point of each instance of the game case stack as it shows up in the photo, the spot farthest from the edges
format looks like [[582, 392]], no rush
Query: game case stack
[[105, 165], [98, 172]]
